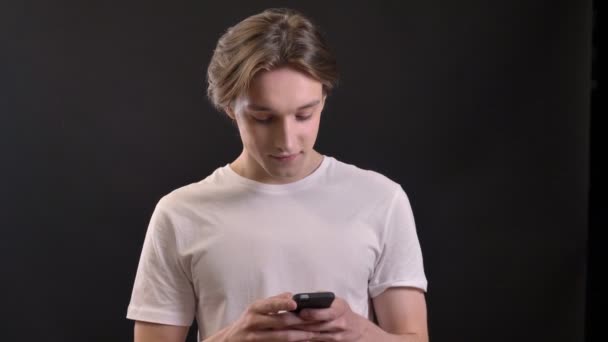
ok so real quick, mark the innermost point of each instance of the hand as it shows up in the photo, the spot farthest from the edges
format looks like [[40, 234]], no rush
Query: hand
[[270, 320], [338, 322]]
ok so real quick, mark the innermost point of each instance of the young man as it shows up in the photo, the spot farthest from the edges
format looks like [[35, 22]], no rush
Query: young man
[[282, 218]]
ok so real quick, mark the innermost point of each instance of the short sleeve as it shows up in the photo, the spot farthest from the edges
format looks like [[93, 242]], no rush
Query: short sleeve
[[162, 291], [400, 262]]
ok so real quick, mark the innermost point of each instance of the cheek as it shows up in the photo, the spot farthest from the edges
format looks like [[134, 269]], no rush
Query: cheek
[[256, 137], [247, 136], [312, 130]]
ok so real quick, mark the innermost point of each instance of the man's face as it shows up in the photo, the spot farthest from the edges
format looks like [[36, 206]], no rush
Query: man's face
[[279, 116]]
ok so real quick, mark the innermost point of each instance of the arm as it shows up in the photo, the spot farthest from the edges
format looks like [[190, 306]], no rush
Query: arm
[[400, 311], [152, 332]]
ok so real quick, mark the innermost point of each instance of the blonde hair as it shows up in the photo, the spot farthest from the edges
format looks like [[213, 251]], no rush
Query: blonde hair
[[274, 38]]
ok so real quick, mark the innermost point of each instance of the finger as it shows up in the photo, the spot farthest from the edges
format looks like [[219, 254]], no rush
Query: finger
[[274, 304], [338, 308], [284, 294], [319, 314], [278, 321], [281, 335], [331, 326], [329, 336]]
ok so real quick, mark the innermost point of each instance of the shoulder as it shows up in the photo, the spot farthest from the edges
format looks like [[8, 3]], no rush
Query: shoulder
[[191, 197], [365, 180]]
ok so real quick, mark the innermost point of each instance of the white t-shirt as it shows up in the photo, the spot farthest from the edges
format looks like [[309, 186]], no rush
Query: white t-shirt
[[215, 246]]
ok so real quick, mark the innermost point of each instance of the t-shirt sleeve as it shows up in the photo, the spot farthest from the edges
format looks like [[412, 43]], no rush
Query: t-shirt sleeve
[[162, 291], [400, 262]]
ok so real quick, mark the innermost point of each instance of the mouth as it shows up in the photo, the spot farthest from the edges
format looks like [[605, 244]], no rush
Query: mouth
[[286, 157]]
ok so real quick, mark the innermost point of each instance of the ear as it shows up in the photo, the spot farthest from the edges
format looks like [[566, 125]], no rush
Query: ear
[[230, 112], [323, 101]]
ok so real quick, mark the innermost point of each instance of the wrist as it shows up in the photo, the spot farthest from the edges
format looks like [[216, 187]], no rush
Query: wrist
[[370, 331], [220, 336]]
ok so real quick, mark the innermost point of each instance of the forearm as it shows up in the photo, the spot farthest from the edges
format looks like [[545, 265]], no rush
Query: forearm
[[372, 333]]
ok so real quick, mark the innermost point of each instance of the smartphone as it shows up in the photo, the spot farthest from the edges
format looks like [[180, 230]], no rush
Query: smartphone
[[313, 300]]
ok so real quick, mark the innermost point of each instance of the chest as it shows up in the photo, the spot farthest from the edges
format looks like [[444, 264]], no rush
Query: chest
[[258, 253]]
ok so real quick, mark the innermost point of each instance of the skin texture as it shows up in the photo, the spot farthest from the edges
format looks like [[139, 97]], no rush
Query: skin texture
[[291, 104], [152, 332]]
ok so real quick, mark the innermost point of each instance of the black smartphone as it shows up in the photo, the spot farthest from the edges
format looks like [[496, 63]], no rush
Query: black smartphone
[[313, 300]]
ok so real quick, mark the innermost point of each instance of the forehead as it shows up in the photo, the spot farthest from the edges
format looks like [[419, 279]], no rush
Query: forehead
[[283, 89]]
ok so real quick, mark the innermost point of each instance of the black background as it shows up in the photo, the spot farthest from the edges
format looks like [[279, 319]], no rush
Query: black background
[[480, 109]]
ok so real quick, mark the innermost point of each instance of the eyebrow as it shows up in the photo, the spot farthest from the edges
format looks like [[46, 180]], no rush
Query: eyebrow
[[255, 107]]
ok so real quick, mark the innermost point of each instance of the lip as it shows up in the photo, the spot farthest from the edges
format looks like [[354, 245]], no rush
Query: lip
[[285, 158]]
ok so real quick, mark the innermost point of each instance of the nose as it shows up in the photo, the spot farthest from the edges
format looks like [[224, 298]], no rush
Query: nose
[[285, 137]]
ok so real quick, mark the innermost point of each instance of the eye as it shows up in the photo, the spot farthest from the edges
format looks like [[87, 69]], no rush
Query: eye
[[269, 119], [304, 117], [262, 120]]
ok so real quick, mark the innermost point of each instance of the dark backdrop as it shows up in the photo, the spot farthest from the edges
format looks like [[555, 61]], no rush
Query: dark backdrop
[[480, 109]]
